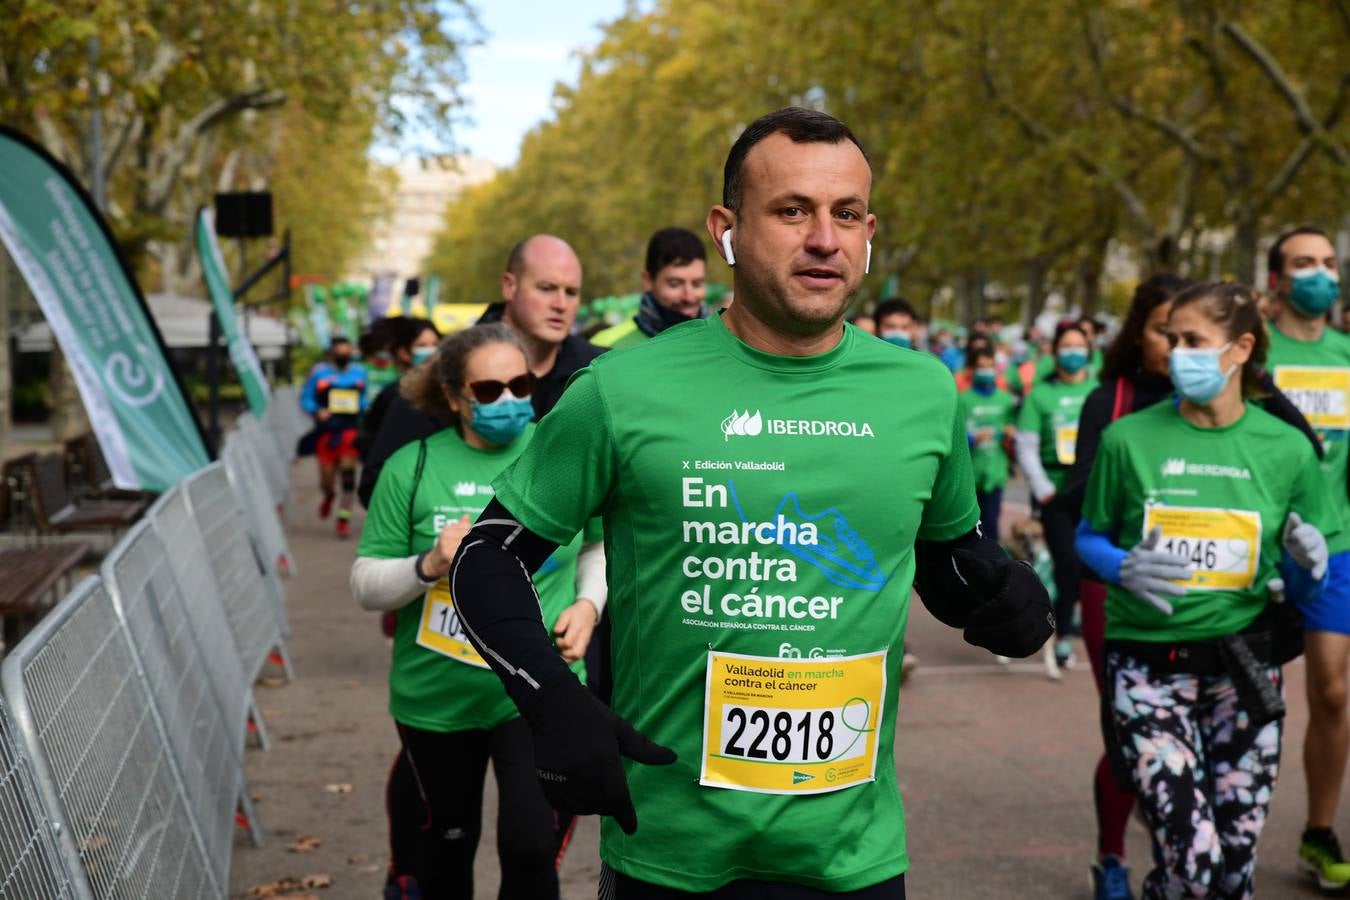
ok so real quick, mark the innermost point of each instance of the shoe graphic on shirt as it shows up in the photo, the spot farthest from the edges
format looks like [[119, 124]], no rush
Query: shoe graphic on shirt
[[840, 553]]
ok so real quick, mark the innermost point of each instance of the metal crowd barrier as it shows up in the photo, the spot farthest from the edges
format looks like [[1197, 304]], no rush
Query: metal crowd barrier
[[243, 463], [104, 766], [274, 467], [150, 603], [125, 712], [248, 597], [30, 861]]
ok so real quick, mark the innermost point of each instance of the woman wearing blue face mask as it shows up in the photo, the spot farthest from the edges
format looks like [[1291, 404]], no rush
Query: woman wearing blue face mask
[[408, 342], [1197, 513], [1047, 440], [452, 713]]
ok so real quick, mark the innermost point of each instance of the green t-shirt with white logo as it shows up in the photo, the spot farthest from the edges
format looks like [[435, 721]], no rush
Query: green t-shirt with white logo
[[427, 688], [1221, 497], [986, 417], [765, 506], [1315, 376], [1052, 410]]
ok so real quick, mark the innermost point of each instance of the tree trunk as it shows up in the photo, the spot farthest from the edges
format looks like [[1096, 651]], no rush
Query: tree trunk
[[1089, 276], [1246, 237], [68, 419], [1035, 302]]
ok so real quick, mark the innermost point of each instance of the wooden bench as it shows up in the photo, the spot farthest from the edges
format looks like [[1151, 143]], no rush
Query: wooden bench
[[29, 574], [55, 512]]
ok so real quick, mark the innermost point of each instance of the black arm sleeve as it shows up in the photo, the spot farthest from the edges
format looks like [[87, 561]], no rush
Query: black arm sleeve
[[497, 603], [1092, 422], [940, 586], [1281, 407]]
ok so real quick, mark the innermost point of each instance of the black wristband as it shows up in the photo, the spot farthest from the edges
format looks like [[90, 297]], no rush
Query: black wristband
[[419, 571]]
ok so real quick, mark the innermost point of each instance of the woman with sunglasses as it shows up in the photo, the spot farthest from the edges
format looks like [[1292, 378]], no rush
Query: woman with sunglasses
[[451, 711]]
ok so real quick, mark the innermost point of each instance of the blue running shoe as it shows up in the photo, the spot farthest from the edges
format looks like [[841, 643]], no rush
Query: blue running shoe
[[1111, 880], [839, 552]]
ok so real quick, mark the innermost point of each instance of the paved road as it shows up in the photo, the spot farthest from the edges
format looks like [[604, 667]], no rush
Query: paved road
[[994, 762]]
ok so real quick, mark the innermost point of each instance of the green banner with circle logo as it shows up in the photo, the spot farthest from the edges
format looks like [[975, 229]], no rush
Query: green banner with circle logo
[[96, 313]]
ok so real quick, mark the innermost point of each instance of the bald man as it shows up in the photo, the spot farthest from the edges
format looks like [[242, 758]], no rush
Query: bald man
[[541, 290]]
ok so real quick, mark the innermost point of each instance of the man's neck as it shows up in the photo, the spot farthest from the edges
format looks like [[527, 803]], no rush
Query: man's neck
[[757, 333], [1292, 325], [541, 355]]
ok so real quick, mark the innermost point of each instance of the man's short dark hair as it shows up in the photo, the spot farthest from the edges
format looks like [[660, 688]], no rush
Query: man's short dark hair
[[1275, 261], [340, 339], [673, 247], [891, 307], [803, 126], [515, 262]]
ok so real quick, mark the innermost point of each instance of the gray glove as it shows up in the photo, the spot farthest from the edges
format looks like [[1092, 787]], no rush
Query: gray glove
[[1147, 572], [1306, 545]]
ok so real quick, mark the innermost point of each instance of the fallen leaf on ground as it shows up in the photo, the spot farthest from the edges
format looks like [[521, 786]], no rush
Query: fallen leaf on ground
[[356, 858], [319, 880], [304, 843], [341, 788], [273, 681], [371, 869]]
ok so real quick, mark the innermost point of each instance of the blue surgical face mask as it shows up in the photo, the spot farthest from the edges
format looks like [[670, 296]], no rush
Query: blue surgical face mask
[[503, 420], [1314, 291], [1196, 374], [985, 379], [898, 338], [422, 354], [1072, 359]]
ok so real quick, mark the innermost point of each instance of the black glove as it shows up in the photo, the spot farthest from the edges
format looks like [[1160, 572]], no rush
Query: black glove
[[577, 744], [1016, 618]]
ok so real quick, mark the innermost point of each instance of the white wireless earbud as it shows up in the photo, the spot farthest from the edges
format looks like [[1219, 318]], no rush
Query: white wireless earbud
[[867, 267], [726, 248]]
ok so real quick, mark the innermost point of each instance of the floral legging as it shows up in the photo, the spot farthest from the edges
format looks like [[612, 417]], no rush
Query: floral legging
[[1204, 774]]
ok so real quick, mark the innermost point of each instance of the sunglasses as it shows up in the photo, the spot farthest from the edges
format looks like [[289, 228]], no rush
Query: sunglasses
[[488, 391]]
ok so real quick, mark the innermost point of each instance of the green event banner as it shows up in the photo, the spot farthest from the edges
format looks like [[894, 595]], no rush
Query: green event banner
[[242, 355], [66, 253]]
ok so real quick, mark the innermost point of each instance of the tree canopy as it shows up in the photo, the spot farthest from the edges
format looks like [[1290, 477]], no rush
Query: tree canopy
[[1013, 142]]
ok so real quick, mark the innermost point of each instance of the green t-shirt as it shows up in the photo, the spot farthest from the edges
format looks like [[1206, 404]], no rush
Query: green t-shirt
[[377, 377], [766, 506], [617, 337], [986, 417], [1315, 376], [428, 689], [1051, 411], [1221, 497]]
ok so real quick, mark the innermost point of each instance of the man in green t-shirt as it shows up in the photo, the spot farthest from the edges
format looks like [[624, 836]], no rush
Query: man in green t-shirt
[[674, 283], [1311, 365], [772, 482]]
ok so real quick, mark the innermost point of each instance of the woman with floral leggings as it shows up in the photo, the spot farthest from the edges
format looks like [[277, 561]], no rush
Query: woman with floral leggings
[[1196, 514]]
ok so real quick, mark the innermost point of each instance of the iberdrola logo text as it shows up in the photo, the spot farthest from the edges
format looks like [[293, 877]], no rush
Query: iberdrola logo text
[[747, 424]]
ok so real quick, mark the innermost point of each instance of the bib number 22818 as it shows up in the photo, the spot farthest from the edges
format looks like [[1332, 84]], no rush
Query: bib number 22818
[[791, 726]]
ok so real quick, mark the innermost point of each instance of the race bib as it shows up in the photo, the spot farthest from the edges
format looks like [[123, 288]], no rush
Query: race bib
[[344, 401], [1319, 392], [791, 726], [1223, 545], [442, 631], [1066, 444]]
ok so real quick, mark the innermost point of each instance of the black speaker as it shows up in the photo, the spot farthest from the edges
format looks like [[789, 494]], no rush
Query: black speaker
[[244, 214], [412, 287]]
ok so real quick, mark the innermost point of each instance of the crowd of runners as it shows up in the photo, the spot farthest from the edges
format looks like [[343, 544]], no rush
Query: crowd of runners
[[662, 574]]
